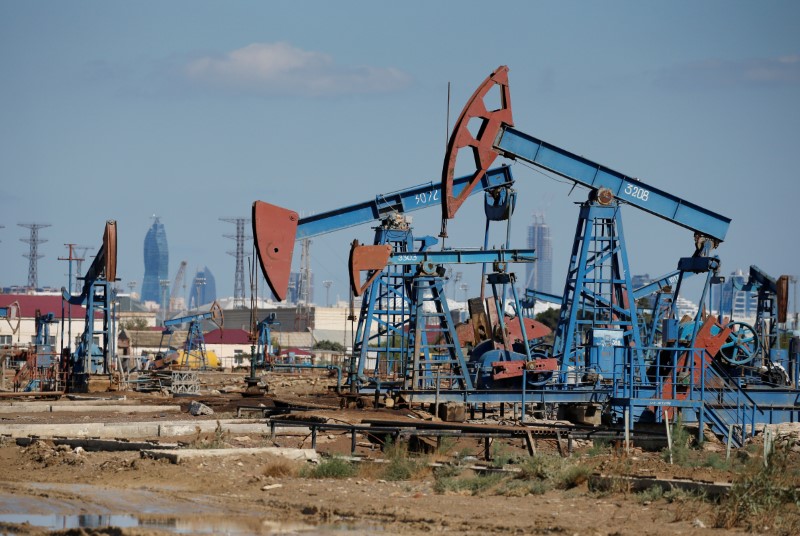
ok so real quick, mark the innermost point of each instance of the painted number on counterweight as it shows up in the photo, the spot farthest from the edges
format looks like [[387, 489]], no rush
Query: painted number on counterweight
[[427, 197], [637, 192]]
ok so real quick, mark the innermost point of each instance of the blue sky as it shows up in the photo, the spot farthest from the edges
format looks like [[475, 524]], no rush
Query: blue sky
[[193, 110]]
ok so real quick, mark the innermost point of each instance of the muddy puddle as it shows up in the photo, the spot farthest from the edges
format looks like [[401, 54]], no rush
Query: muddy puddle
[[177, 525], [73, 506]]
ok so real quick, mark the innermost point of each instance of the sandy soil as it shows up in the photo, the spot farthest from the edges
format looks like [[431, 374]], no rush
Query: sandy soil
[[261, 495]]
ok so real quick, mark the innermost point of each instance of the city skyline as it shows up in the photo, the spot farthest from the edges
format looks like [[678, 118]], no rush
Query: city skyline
[[539, 275], [112, 114], [156, 263]]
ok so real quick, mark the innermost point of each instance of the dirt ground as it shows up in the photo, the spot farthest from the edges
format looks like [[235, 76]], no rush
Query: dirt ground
[[54, 485]]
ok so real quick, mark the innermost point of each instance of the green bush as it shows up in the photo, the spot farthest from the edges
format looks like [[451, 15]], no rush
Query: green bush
[[540, 468], [333, 468], [599, 447], [650, 495], [520, 488], [681, 444], [500, 456], [573, 476]]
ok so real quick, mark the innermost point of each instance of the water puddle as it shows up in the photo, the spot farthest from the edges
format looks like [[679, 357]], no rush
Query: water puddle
[[54, 506], [176, 525]]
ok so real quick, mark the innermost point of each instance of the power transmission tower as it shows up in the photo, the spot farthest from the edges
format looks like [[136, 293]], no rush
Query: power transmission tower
[[305, 272], [79, 266], [33, 255], [239, 237], [303, 307]]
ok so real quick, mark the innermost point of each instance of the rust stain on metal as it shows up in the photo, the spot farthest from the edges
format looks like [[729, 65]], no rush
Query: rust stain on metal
[[482, 144], [782, 289], [110, 250], [690, 363], [533, 329], [274, 233]]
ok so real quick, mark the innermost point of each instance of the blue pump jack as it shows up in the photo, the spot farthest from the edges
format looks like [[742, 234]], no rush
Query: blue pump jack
[[95, 354]]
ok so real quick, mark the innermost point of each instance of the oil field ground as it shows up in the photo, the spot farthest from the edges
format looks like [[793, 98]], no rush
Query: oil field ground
[[219, 474]]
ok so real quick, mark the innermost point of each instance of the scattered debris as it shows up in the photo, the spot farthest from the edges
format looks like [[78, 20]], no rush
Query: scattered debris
[[198, 408]]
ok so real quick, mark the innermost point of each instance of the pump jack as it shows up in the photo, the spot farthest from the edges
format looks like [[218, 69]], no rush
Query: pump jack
[[91, 367]]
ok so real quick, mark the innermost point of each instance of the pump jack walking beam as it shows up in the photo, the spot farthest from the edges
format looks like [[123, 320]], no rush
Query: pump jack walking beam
[[275, 229], [497, 137]]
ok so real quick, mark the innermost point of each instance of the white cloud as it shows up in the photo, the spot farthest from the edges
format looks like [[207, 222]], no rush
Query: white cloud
[[280, 68], [778, 71]]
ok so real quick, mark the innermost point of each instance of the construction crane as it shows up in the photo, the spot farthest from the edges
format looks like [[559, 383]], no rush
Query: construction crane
[[173, 301]]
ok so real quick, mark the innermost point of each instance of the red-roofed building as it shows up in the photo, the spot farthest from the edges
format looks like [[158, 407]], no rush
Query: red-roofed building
[[232, 346], [44, 303]]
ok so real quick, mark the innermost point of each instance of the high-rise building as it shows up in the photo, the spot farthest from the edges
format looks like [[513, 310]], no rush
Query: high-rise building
[[296, 294], [539, 274], [726, 300], [204, 289], [156, 262]]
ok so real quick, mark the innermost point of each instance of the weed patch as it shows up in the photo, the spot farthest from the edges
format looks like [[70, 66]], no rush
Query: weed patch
[[650, 495], [764, 497], [681, 445], [218, 441], [599, 447], [281, 468], [332, 468], [471, 485], [573, 476], [519, 488], [401, 466]]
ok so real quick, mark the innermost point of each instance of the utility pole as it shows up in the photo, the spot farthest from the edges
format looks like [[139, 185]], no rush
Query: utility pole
[[239, 237], [33, 255], [456, 281], [199, 283], [793, 279], [70, 258], [131, 286], [464, 287], [303, 309], [164, 283], [327, 284], [76, 286]]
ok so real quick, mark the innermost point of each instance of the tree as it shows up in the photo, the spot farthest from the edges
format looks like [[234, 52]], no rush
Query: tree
[[134, 324], [549, 318], [329, 345]]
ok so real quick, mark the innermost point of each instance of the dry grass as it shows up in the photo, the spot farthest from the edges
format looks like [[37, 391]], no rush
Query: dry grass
[[281, 468]]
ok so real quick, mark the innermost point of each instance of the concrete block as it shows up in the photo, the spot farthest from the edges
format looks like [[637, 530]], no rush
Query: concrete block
[[52, 430], [24, 408], [179, 455], [452, 412], [61, 408]]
